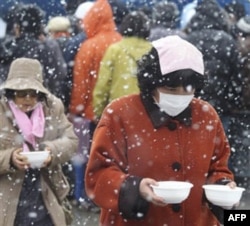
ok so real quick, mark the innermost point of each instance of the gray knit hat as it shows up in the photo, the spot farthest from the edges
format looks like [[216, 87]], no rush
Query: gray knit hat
[[25, 73]]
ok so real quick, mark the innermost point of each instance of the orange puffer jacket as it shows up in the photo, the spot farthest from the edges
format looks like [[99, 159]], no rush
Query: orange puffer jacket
[[101, 32]]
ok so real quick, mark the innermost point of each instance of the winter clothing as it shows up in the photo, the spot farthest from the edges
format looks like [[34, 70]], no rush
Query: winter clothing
[[69, 48], [101, 32], [165, 13], [125, 150], [208, 15], [47, 52], [136, 140], [208, 32], [33, 187], [117, 74], [239, 122], [52, 8], [28, 44], [176, 54], [31, 127], [57, 84], [165, 21], [70, 45], [244, 45], [60, 35], [153, 72], [25, 75], [239, 141]]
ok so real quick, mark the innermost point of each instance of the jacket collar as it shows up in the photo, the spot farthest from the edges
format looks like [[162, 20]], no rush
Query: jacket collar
[[160, 118]]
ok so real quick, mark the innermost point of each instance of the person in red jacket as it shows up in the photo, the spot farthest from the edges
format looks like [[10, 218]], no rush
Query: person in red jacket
[[164, 133]]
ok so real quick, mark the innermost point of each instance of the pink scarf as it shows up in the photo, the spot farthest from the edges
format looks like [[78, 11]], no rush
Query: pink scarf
[[30, 127]]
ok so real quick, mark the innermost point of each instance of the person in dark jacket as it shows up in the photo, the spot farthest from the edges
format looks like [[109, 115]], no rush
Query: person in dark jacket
[[239, 123], [209, 31], [165, 20], [30, 42], [51, 7]]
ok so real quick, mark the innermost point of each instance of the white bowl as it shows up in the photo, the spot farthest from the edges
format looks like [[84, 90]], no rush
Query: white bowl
[[223, 195], [36, 158], [172, 191]]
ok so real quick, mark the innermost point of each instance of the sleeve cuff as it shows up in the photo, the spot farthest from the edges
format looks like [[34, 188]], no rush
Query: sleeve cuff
[[131, 204]]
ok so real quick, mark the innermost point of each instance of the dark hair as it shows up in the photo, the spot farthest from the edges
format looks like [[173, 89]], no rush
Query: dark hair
[[150, 76], [135, 23], [10, 94], [71, 5], [166, 14], [30, 19], [9, 17], [208, 15], [119, 9]]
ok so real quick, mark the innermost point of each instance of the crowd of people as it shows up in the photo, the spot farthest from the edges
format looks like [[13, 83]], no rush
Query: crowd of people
[[99, 82]]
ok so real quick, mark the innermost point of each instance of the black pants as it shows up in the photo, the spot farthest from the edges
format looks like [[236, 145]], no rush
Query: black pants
[[31, 209]]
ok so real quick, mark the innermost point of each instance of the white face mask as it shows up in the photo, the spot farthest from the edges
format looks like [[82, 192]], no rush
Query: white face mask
[[174, 104]]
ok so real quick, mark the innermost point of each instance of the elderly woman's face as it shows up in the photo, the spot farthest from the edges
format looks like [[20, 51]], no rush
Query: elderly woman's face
[[25, 99]]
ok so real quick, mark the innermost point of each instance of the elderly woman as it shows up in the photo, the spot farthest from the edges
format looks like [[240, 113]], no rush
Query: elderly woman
[[32, 119], [162, 134]]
